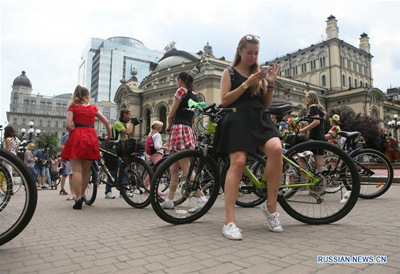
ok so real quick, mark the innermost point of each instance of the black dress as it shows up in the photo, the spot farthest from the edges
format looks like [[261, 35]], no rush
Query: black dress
[[248, 128], [317, 133]]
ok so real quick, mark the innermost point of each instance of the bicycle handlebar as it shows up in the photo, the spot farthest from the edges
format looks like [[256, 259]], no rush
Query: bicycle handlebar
[[210, 110]]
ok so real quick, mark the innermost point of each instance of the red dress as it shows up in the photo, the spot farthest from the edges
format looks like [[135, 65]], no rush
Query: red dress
[[82, 142]]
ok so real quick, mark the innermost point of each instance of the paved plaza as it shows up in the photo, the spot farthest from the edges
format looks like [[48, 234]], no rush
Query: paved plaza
[[110, 236]]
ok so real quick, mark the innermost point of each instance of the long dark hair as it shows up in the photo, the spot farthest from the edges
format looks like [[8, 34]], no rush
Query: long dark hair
[[187, 79], [9, 132], [79, 95]]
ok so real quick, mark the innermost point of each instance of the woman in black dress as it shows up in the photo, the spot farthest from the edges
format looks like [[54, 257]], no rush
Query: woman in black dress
[[249, 90], [316, 127]]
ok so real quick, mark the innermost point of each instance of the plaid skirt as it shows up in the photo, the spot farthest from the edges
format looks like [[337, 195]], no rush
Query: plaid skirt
[[181, 137]]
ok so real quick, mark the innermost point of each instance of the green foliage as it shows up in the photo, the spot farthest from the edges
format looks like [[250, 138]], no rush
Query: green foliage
[[350, 121], [47, 138]]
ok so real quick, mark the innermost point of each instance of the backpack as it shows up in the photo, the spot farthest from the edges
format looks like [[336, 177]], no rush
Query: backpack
[[150, 150]]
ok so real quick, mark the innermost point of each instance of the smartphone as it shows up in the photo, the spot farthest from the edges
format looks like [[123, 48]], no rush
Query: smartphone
[[265, 69]]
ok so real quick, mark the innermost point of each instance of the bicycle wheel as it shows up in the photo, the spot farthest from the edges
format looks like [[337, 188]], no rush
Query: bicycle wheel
[[16, 209], [91, 190], [376, 172], [249, 195], [206, 175], [314, 205], [133, 178]]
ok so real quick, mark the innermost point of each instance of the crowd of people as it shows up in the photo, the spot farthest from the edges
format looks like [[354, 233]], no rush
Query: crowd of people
[[244, 86]]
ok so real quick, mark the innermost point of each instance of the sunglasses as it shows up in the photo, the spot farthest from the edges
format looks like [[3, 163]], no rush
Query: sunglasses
[[251, 38]]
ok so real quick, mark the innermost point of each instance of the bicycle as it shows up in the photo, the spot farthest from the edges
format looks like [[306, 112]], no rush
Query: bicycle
[[16, 208], [375, 169], [131, 174], [302, 191]]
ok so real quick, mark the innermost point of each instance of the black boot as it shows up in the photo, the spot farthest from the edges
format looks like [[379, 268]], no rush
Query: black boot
[[78, 204]]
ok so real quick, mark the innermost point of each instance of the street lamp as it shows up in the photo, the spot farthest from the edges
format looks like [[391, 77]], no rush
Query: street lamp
[[31, 131], [394, 124]]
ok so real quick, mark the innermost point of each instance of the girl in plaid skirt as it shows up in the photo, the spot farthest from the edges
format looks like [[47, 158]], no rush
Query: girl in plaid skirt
[[181, 137]]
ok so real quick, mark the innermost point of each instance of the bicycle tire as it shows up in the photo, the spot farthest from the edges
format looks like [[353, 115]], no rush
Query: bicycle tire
[[19, 208], [91, 190], [376, 172], [134, 189], [249, 195], [313, 205], [208, 179]]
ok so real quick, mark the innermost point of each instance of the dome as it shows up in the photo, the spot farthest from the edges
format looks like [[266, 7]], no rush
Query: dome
[[175, 57], [22, 81]]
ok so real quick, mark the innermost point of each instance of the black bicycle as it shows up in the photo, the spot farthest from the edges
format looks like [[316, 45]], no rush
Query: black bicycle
[[132, 173], [375, 169], [16, 208]]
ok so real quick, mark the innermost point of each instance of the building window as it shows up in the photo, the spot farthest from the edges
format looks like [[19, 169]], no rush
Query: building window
[[26, 102], [42, 103], [48, 123], [304, 67], [349, 82], [322, 61], [355, 83], [295, 70], [41, 122], [312, 63], [287, 72], [323, 80], [56, 123], [33, 103], [348, 64], [49, 104], [361, 83], [58, 105], [15, 120], [344, 80], [64, 105]]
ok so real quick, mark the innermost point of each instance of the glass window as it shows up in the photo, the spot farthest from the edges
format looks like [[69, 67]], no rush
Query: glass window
[[344, 80], [323, 80]]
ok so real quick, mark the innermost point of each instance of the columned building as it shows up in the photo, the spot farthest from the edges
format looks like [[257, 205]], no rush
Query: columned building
[[339, 72]]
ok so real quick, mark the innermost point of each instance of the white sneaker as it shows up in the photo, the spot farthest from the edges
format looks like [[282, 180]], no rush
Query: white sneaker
[[167, 204], [273, 219], [109, 195], [199, 205], [231, 232]]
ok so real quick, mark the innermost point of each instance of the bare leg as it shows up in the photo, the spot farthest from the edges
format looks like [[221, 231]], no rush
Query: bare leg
[[273, 171], [235, 172], [80, 175]]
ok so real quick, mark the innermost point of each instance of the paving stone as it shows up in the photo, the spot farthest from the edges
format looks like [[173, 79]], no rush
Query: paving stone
[[112, 237]]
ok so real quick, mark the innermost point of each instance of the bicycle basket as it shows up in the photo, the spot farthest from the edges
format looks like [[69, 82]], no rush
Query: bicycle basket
[[129, 146]]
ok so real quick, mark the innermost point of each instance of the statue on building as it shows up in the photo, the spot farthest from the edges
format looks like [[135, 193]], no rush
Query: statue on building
[[208, 50], [170, 46]]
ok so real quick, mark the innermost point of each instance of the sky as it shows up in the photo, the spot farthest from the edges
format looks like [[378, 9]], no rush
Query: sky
[[46, 38]]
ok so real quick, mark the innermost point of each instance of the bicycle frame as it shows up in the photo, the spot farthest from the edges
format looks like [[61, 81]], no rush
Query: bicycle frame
[[313, 179]]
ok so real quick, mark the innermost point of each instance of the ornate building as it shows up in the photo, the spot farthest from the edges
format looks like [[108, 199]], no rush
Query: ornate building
[[47, 113], [339, 72]]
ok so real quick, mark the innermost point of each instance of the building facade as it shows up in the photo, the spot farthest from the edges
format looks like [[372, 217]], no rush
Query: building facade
[[105, 62], [340, 73], [48, 113]]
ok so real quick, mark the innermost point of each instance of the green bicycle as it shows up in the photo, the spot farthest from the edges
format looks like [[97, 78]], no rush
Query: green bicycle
[[302, 191]]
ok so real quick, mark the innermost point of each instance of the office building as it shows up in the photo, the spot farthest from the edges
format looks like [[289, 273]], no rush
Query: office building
[[104, 63]]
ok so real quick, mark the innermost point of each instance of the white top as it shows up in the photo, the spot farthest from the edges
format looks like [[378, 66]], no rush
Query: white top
[[158, 143]]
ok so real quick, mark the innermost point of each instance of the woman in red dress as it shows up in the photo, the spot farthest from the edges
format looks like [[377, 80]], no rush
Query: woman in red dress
[[82, 146]]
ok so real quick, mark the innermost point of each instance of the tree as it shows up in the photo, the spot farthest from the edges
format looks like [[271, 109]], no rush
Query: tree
[[48, 139], [350, 121]]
